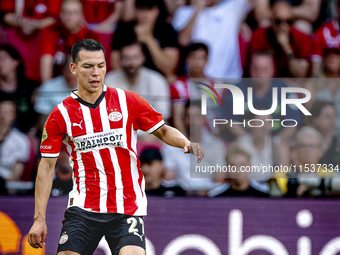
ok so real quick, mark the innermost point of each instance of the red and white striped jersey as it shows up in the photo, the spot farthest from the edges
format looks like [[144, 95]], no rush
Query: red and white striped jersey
[[100, 139]]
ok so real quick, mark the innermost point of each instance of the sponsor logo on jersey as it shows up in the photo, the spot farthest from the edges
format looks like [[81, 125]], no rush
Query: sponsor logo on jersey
[[115, 116], [46, 147], [78, 125], [63, 239], [102, 139], [44, 135]]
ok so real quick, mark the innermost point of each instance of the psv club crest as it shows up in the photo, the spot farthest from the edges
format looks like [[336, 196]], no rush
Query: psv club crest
[[115, 116]]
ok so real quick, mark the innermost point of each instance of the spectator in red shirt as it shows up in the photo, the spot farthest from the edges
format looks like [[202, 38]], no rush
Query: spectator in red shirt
[[184, 89], [292, 49], [57, 39], [102, 15], [32, 17], [326, 37]]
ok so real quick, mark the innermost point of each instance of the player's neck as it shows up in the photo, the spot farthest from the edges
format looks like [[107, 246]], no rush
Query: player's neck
[[87, 96]]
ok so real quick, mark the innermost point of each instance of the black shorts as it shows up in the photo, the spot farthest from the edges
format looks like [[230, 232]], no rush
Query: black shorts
[[82, 231]]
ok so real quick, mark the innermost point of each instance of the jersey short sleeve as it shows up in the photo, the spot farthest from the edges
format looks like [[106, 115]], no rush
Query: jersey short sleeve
[[53, 135], [146, 118]]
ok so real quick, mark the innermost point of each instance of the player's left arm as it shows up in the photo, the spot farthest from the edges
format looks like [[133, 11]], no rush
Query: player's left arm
[[173, 137]]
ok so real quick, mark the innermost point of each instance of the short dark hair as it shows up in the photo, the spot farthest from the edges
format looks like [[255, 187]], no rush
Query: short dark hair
[[196, 46], [146, 4], [85, 44]]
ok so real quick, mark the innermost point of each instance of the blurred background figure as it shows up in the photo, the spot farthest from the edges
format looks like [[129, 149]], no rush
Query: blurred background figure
[[323, 120], [329, 91], [292, 49], [326, 37], [310, 14], [307, 153], [14, 86], [31, 16], [54, 91], [170, 7], [24, 21], [134, 76], [262, 70], [185, 88], [62, 182], [238, 182], [14, 145], [261, 146], [158, 38], [181, 167], [57, 40], [102, 16], [215, 23], [153, 170]]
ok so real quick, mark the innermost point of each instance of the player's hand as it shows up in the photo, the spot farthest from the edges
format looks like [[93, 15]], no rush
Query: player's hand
[[37, 234], [196, 149]]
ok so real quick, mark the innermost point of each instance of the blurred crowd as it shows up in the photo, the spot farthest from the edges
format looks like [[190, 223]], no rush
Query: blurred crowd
[[163, 49]]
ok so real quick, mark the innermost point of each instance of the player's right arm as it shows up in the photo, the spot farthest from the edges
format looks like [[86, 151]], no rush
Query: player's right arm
[[51, 142], [38, 232]]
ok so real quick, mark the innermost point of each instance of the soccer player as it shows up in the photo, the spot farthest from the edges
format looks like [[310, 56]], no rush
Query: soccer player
[[98, 127]]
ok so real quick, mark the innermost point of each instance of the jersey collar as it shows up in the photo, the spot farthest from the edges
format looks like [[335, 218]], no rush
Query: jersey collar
[[93, 106]]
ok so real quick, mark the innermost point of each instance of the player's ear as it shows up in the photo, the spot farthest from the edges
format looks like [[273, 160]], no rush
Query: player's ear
[[73, 69]]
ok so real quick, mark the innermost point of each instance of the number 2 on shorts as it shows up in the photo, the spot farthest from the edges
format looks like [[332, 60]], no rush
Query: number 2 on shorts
[[133, 222]]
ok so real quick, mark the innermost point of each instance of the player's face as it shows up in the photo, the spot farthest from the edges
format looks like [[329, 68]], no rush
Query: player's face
[[90, 70]]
